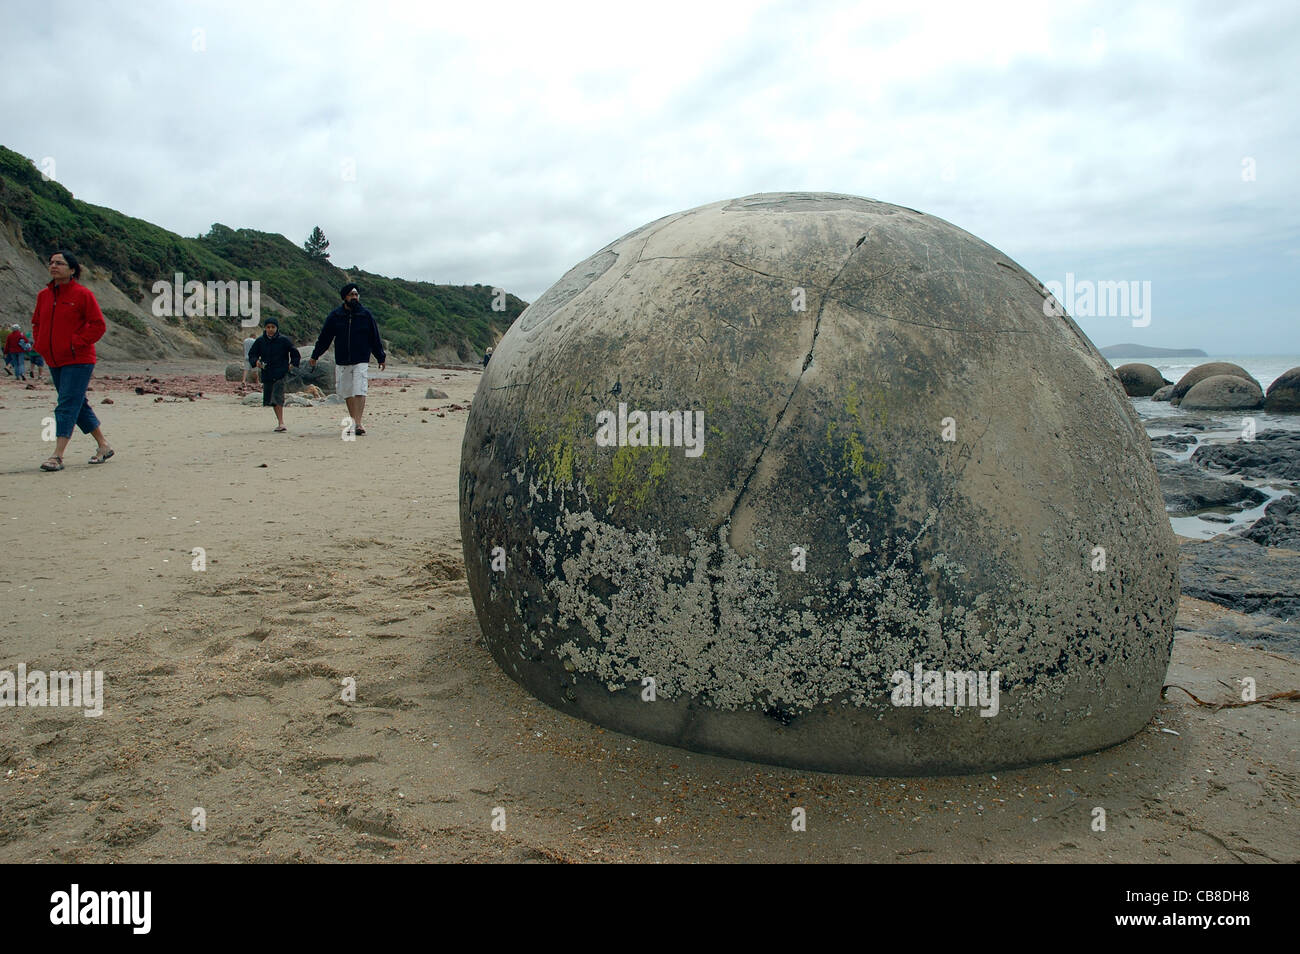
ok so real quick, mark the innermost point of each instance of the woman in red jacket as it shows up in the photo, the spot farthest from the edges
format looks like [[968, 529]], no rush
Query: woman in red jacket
[[65, 325]]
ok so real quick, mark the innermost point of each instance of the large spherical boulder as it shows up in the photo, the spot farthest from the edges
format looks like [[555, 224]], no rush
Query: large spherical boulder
[[1223, 392], [1164, 393], [235, 372], [1207, 370], [1284, 393], [769, 479], [1140, 380]]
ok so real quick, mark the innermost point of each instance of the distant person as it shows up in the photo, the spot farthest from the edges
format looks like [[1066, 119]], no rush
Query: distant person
[[487, 356], [66, 323], [355, 334], [248, 346], [34, 356], [15, 354], [273, 353]]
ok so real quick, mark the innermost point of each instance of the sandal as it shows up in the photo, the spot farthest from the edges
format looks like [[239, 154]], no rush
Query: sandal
[[101, 456], [280, 430], [57, 463], [359, 431]]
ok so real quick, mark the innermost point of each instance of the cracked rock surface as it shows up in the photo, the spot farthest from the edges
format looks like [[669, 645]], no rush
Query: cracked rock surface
[[905, 463]]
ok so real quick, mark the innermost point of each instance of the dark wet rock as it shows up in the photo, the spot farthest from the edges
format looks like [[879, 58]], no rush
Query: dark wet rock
[[1258, 630], [1209, 370], [1223, 392], [1284, 393], [1187, 489], [1280, 525], [1176, 442], [822, 341], [1164, 393], [1242, 575], [1272, 454], [1140, 380]]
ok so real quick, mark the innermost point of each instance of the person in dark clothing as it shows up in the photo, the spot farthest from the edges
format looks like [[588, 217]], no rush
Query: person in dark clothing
[[273, 353], [355, 334]]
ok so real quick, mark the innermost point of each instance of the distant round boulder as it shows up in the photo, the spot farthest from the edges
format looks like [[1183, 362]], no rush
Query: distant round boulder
[[768, 479], [235, 372], [1140, 380], [1223, 392], [1208, 370], [322, 375], [1284, 393], [1164, 393]]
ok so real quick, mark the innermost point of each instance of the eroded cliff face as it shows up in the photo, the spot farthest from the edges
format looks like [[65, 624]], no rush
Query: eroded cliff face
[[905, 465], [23, 274]]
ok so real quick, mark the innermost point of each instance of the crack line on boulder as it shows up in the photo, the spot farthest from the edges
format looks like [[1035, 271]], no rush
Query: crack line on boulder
[[923, 324], [748, 268], [744, 487]]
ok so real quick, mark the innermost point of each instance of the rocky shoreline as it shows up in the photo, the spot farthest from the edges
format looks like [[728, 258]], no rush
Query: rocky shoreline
[[1232, 490]]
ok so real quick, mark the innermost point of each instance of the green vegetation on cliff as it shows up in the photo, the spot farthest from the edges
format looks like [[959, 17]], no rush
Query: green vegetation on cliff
[[417, 318]]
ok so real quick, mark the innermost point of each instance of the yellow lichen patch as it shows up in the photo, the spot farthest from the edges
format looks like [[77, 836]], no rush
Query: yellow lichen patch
[[554, 456], [873, 405], [635, 473], [561, 460], [847, 453]]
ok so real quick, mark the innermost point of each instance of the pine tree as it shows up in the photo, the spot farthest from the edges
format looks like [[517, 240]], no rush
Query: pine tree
[[317, 244]]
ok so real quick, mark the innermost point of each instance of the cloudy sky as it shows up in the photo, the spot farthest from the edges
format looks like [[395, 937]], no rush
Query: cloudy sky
[[504, 142]]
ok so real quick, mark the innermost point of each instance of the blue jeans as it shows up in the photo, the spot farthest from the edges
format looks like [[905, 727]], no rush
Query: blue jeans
[[73, 408], [16, 362]]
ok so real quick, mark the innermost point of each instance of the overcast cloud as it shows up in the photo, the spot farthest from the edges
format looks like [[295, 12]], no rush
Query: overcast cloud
[[503, 143]]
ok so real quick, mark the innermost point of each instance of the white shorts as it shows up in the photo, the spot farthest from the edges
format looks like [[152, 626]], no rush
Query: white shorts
[[350, 379]]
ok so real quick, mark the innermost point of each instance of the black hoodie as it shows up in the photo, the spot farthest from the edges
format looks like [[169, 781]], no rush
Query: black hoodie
[[277, 353], [355, 335]]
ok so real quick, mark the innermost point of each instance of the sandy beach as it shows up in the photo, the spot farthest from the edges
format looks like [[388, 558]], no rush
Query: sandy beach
[[328, 561]]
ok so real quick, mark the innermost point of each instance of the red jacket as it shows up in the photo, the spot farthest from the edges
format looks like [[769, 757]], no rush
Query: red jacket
[[66, 324], [12, 343]]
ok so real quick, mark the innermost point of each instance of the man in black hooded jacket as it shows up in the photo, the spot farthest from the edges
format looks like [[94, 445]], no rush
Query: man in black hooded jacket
[[355, 334]]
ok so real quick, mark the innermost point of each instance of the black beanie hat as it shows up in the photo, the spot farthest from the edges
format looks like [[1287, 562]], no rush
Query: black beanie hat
[[271, 321], [350, 286]]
